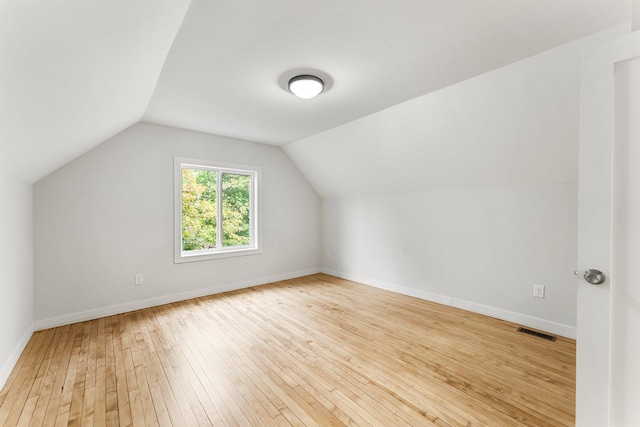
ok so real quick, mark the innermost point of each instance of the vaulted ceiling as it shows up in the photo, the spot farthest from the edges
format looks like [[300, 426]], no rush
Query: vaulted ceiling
[[75, 72]]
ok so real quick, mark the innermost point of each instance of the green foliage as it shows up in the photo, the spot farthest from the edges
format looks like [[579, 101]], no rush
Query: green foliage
[[199, 213], [235, 209], [199, 210]]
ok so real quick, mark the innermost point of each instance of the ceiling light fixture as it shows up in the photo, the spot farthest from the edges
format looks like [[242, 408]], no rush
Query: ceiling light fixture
[[306, 86]]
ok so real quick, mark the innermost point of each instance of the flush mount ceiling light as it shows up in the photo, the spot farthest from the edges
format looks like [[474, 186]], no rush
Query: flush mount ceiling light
[[306, 86]]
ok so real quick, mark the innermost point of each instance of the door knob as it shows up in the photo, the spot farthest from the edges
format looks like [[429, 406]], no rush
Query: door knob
[[595, 277]]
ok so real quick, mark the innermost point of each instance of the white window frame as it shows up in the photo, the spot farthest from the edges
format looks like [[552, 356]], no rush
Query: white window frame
[[254, 247]]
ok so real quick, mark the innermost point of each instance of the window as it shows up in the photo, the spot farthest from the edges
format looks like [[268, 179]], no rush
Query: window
[[216, 210]]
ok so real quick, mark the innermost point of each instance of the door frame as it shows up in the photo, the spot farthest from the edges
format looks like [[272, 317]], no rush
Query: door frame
[[593, 376]]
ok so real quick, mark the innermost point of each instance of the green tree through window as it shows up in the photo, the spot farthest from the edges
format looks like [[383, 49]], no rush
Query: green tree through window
[[199, 209], [201, 229], [235, 209]]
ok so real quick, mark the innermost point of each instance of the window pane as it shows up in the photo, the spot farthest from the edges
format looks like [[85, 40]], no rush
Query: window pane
[[198, 209], [235, 209]]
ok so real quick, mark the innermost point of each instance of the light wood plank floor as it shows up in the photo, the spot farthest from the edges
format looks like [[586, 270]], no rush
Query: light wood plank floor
[[314, 351]]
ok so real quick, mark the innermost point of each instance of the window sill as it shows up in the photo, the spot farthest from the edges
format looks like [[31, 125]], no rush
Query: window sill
[[205, 256]]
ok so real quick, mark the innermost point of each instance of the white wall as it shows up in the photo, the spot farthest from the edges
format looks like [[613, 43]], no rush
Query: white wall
[[109, 214], [16, 271], [472, 248], [467, 195]]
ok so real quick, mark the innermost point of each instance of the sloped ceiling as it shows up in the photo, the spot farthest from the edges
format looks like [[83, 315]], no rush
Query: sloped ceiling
[[75, 72]]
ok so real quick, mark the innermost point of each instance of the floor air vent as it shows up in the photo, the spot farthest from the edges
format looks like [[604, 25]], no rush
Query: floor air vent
[[537, 334]]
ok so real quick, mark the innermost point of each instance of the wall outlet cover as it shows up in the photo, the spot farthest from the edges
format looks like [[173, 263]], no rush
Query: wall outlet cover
[[538, 291]]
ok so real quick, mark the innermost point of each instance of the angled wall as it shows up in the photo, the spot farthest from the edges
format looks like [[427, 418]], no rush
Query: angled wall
[[16, 271], [466, 196], [108, 215]]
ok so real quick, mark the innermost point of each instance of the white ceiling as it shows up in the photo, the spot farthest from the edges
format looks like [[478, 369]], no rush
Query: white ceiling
[[75, 72]]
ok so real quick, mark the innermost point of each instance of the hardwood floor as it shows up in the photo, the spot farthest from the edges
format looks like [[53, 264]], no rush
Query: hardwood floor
[[314, 351]]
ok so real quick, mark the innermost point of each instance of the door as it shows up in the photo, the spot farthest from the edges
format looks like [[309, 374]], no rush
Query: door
[[607, 197]]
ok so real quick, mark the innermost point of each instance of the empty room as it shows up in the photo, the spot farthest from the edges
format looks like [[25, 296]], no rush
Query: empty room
[[337, 213]]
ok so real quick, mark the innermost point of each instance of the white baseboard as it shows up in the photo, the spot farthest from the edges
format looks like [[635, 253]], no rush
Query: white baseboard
[[10, 363], [498, 313], [521, 319], [165, 299]]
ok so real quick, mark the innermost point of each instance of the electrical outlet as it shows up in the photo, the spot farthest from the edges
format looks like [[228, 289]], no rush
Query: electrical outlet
[[538, 291], [139, 279], [328, 254]]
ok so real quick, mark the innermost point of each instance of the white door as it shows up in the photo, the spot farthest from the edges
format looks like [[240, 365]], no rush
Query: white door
[[608, 393]]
